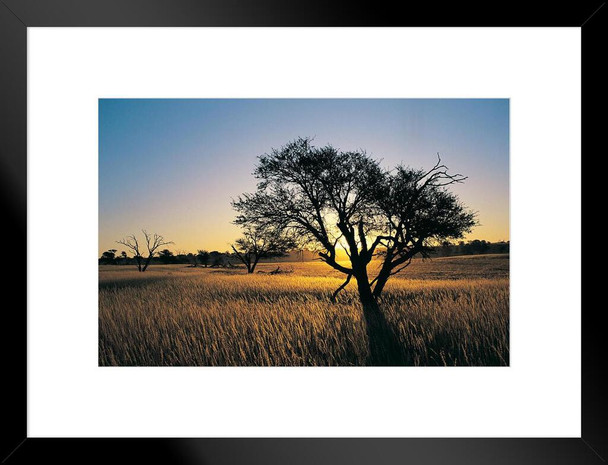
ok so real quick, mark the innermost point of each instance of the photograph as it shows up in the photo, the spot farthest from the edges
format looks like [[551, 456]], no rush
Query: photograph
[[303, 232]]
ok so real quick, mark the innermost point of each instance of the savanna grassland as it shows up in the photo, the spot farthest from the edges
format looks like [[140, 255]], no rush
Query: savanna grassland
[[445, 311]]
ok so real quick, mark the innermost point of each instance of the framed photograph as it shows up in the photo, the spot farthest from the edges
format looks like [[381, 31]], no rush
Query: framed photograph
[[255, 235], [333, 258]]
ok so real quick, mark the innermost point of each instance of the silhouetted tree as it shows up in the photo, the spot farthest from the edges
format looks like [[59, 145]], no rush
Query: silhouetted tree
[[337, 199], [216, 258], [108, 257], [261, 241], [503, 247], [203, 257], [180, 256], [478, 246], [191, 258], [166, 256], [152, 243], [446, 248]]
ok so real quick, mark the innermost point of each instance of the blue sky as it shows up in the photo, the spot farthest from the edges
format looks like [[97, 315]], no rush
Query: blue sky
[[172, 166]]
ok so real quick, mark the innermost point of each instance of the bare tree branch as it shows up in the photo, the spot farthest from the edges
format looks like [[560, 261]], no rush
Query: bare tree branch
[[337, 291], [153, 242]]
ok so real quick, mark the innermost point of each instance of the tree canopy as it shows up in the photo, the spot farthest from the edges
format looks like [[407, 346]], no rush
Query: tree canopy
[[333, 199], [262, 241], [329, 199]]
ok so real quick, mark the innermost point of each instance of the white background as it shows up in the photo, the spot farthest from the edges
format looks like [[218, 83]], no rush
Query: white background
[[538, 69]]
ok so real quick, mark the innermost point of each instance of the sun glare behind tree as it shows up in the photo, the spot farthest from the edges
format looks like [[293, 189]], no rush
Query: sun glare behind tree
[[326, 197]]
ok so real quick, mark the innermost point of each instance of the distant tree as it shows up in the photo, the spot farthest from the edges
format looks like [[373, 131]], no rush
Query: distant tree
[[152, 243], [217, 259], [191, 259], [476, 247], [132, 243], [446, 248], [108, 257], [503, 247], [203, 257], [124, 259], [261, 241], [166, 256], [180, 256], [337, 199], [484, 246]]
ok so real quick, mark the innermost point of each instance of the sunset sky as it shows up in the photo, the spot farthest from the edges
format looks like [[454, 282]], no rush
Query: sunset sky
[[172, 166]]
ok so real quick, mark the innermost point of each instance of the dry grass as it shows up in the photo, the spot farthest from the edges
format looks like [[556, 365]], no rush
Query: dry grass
[[176, 315]]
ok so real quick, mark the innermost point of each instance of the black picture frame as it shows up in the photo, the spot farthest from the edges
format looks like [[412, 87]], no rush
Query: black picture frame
[[17, 15]]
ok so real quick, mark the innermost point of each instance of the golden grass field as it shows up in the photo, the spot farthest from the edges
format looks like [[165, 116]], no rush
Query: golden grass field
[[445, 311]]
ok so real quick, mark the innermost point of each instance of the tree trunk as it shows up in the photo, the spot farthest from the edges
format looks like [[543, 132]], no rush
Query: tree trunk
[[148, 260], [251, 268], [384, 347], [381, 281]]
